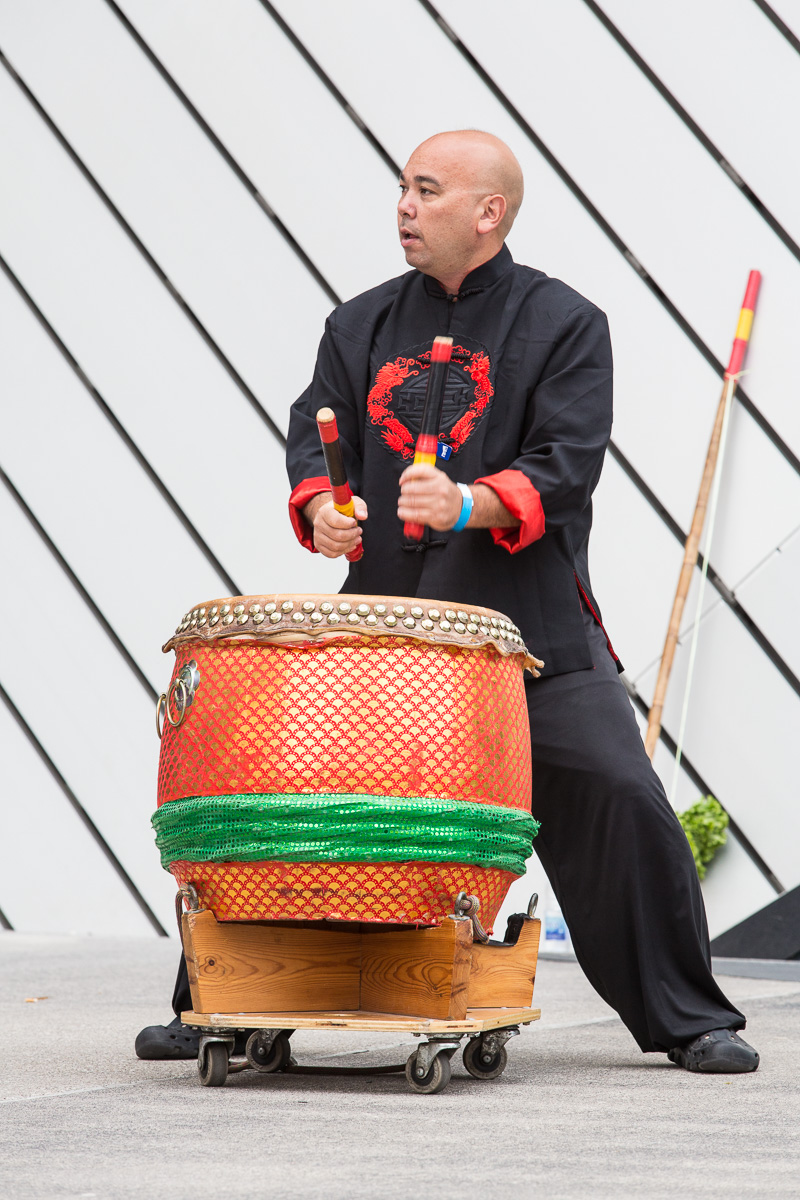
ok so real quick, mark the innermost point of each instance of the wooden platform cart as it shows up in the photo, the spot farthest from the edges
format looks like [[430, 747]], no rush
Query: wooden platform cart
[[441, 984]]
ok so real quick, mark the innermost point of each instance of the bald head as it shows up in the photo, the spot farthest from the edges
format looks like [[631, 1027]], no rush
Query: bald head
[[484, 163], [460, 193]]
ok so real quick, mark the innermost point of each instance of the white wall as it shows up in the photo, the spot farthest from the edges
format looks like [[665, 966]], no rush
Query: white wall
[[185, 405]]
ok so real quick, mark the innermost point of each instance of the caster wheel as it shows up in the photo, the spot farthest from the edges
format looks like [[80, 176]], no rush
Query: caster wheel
[[480, 1064], [213, 1066], [276, 1058], [435, 1080]]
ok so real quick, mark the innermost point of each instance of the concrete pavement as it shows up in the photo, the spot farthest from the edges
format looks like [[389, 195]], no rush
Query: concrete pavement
[[579, 1111]]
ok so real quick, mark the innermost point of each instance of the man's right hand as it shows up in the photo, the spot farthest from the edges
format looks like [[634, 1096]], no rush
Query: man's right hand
[[334, 533]]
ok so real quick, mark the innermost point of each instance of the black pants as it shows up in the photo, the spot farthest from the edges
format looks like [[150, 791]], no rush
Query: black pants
[[617, 859]]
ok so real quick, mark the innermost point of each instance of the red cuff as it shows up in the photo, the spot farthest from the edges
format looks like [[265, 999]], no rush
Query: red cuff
[[299, 498], [522, 500]]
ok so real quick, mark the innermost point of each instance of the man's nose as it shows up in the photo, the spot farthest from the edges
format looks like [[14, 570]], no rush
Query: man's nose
[[405, 206]]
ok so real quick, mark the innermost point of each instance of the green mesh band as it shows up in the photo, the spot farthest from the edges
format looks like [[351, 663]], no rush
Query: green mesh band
[[342, 828]]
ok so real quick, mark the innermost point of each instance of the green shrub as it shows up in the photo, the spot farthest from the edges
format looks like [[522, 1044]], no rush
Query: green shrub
[[706, 827]]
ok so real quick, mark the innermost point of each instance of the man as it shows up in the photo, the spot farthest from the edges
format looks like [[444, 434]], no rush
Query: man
[[526, 421]]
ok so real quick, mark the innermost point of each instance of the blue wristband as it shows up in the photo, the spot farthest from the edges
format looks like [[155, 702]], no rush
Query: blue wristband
[[466, 507]]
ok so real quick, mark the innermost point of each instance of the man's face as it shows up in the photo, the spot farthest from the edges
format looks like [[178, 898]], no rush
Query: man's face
[[438, 211]]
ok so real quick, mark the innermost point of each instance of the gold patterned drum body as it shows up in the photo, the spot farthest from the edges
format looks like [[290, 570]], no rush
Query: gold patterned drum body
[[345, 757]]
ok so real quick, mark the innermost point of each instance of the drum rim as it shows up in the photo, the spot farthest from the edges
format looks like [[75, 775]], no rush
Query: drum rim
[[288, 618]]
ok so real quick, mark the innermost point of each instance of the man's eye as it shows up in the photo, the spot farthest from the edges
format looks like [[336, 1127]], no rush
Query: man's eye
[[425, 192]]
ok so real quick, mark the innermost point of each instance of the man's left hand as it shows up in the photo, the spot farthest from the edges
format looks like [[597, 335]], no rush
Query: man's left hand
[[428, 497]]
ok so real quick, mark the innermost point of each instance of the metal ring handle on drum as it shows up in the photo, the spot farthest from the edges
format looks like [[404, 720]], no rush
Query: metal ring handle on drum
[[532, 903], [187, 892], [177, 683], [469, 906], [160, 707]]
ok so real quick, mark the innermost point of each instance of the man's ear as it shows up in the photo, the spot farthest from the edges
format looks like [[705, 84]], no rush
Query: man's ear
[[494, 209]]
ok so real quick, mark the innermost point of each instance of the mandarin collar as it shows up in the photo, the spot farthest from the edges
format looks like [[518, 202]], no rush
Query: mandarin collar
[[479, 279]]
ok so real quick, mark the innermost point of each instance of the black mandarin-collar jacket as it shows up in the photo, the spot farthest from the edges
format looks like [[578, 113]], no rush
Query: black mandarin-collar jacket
[[527, 411]]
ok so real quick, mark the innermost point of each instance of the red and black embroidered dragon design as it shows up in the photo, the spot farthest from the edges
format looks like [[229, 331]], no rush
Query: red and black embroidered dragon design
[[397, 397]]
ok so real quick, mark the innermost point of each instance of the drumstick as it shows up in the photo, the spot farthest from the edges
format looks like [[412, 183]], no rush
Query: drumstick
[[428, 440], [337, 476]]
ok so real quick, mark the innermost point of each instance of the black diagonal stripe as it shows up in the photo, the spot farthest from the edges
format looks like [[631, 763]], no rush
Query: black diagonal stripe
[[221, 149], [4, 922], [82, 813], [698, 780], [612, 235], [161, 275], [122, 432], [736, 607], [324, 78], [93, 607], [780, 25], [338, 96], [690, 123]]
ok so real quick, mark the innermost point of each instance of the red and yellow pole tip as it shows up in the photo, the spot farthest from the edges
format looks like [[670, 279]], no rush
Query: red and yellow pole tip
[[744, 325]]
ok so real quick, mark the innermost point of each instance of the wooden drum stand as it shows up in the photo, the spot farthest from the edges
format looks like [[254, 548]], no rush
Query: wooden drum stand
[[442, 983]]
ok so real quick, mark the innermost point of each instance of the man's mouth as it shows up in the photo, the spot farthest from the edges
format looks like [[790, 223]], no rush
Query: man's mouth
[[408, 237]]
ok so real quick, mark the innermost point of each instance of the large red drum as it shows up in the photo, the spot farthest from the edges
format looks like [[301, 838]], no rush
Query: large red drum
[[345, 757]]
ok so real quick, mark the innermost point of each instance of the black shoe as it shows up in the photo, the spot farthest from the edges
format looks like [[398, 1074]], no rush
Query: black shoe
[[718, 1052], [168, 1041], [177, 1040]]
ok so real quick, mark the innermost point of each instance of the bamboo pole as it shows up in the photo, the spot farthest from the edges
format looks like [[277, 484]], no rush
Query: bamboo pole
[[692, 546]]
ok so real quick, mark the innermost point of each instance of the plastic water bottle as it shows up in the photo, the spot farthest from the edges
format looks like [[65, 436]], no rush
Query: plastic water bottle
[[556, 935]]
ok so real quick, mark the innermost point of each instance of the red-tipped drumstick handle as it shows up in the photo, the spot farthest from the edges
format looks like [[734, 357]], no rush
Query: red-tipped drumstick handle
[[428, 440], [337, 477]]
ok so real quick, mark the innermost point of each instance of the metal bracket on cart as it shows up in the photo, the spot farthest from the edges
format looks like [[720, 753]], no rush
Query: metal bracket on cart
[[428, 1069], [492, 1043], [426, 1052], [226, 1036]]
